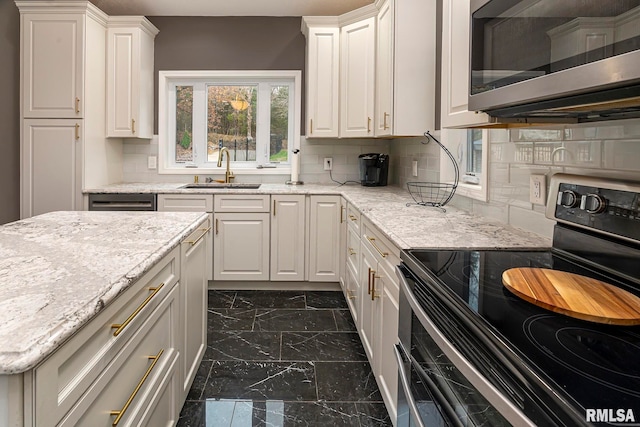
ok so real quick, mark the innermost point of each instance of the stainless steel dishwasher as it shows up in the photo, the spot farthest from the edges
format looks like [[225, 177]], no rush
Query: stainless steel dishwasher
[[122, 202]]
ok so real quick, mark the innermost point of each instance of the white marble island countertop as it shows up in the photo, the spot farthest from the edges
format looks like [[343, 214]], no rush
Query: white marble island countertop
[[407, 227], [58, 270]]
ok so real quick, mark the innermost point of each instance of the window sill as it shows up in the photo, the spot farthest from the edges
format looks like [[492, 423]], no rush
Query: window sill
[[220, 171]]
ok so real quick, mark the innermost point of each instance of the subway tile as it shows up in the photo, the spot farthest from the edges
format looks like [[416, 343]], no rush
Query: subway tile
[[622, 155]]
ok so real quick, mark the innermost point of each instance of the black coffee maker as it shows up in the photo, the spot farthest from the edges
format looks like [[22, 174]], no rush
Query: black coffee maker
[[374, 169]]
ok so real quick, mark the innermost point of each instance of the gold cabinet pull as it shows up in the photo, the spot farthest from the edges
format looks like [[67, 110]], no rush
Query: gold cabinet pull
[[204, 233], [368, 124], [384, 121], [119, 327], [369, 280], [342, 209], [217, 226], [351, 251], [133, 126], [310, 126], [77, 105], [119, 414], [373, 243], [350, 294], [77, 131], [353, 218], [373, 285], [274, 208]]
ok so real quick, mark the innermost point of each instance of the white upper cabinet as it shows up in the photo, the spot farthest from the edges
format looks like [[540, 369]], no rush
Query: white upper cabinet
[[53, 65], [455, 67], [357, 73], [323, 68], [405, 68], [130, 77]]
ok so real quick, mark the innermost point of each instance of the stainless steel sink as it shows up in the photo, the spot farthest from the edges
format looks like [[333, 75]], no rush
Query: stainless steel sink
[[221, 185]]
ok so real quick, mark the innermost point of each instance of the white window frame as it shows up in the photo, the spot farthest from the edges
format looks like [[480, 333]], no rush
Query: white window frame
[[168, 80]]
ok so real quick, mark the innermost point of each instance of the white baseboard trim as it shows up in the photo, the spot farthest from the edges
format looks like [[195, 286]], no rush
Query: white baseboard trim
[[274, 286]]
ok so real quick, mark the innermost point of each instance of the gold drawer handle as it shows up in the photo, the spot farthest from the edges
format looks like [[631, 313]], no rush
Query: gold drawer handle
[[217, 230], [369, 280], [193, 242], [373, 285], [368, 124], [77, 105], [384, 125], [119, 414], [133, 126], [373, 242], [350, 294], [77, 132], [353, 218], [119, 327], [351, 251]]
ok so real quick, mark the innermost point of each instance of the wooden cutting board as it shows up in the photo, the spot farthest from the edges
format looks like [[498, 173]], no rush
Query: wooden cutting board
[[574, 295]]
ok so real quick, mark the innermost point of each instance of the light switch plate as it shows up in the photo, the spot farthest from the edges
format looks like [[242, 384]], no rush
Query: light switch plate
[[152, 162], [537, 189]]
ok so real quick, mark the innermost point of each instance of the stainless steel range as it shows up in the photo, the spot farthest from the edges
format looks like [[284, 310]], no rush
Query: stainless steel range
[[473, 353]]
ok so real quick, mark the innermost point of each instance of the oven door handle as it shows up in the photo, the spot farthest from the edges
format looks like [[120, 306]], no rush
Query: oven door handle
[[413, 408]]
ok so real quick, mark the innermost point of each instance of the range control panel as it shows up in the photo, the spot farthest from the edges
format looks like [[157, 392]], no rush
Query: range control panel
[[610, 207]]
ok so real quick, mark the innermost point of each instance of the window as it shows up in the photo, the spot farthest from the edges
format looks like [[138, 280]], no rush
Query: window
[[254, 114], [473, 170], [470, 148]]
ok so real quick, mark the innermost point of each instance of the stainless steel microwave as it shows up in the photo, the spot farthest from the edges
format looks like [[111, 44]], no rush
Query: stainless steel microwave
[[555, 61]]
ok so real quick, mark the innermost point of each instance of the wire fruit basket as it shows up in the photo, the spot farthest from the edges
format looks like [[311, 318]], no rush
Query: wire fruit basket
[[436, 194]]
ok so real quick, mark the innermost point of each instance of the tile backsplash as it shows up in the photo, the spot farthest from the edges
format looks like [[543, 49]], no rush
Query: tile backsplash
[[344, 152], [607, 150], [610, 149]]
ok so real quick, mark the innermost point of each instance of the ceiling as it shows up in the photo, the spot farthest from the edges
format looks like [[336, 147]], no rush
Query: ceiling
[[229, 7]]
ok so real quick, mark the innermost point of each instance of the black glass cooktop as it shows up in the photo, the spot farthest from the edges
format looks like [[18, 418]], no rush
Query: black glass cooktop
[[593, 366]]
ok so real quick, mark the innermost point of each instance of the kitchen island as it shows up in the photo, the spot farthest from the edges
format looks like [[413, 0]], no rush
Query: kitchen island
[[67, 280]]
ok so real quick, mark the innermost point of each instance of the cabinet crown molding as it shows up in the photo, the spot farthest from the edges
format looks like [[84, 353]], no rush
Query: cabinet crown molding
[[133, 21], [68, 6], [364, 12]]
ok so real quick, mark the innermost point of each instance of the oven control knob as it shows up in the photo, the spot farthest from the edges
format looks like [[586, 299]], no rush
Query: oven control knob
[[593, 203], [569, 199]]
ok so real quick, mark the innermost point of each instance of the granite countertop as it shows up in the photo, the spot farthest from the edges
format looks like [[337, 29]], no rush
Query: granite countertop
[[58, 270], [407, 227]]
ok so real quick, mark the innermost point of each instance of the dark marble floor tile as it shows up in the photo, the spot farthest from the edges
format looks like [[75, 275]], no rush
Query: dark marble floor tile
[[325, 299], [192, 415], [294, 320], [269, 299], [346, 381], [344, 321], [322, 346], [261, 380], [372, 414], [230, 319], [242, 345], [221, 299], [195, 392], [278, 413]]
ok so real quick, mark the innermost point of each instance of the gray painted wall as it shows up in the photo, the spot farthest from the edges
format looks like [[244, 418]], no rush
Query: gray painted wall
[[9, 112], [228, 43]]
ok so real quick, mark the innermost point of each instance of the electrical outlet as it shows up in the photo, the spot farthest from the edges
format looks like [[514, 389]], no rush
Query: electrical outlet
[[328, 163], [537, 189], [414, 168], [152, 162]]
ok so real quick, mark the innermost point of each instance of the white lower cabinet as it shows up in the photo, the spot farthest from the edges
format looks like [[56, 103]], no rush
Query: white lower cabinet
[[241, 246], [324, 238], [366, 326], [194, 265], [287, 237]]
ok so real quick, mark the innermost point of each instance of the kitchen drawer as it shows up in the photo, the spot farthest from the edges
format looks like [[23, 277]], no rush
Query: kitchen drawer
[[353, 250], [65, 376], [353, 218], [149, 357], [185, 202], [384, 251], [242, 203]]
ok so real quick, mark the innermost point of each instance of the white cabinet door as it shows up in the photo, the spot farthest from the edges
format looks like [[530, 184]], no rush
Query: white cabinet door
[[53, 65], [357, 54], [367, 324], [386, 321], [241, 246], [455, 67], [384, 70], [287, 237], [323, 56], [193, 304], [130, 77], [51, 166], [324, 238]]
